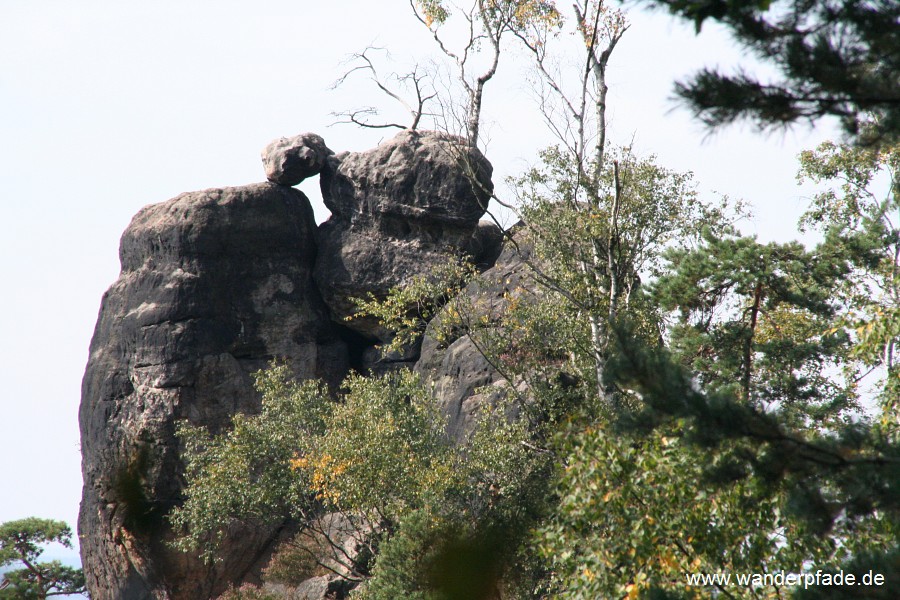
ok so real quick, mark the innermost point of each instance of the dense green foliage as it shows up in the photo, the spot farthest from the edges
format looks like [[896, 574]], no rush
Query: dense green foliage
[[861, 220], [379, 456], [21, 542], [765, 361], [836, 58], [735, 441], [637, 513], [749, 372]]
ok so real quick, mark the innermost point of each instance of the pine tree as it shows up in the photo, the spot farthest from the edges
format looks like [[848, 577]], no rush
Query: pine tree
[[20, 542], [837, 58]]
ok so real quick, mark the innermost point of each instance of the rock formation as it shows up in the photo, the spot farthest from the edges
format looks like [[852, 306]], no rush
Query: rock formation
[[214, 285], [461, 378]]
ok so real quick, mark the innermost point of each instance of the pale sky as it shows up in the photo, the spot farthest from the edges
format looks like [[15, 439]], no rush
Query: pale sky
[[109, 105]]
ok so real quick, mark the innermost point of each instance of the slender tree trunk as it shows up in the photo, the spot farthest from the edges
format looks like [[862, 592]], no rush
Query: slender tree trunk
[[598, 337], [612, 246], [601, 90], [474, 117], [476, 94], [602, 251]]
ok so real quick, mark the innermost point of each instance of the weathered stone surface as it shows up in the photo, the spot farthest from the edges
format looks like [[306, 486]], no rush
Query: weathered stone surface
[[455, 368], [323, 587], [288, 161], [418, 175], [214, 284], [364, 257], [399, 211]]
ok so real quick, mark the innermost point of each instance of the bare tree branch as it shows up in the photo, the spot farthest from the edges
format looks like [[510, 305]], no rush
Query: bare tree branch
[[414, 78]]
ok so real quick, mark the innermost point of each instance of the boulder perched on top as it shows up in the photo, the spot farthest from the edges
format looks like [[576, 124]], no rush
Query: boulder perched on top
[[400, 210], [288, 161], [214, 285]]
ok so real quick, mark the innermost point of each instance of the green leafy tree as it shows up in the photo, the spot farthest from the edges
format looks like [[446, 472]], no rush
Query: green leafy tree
[[752, 319], [245, 472], [765, 390], [836, 58], [756, 391], [597, 216], [760, 378], [835, 483], [637, 509], [767, 347], [379, 456], [595, 255], [638, 512], [21, 543]]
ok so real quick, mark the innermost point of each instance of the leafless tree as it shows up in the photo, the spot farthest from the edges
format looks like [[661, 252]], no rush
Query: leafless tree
[[416, 80]]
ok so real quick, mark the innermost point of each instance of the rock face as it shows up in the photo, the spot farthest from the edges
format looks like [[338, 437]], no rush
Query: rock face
[[214, 284], [485, 245], [422, 176], [462, 379], [288, 161], [398, 211]]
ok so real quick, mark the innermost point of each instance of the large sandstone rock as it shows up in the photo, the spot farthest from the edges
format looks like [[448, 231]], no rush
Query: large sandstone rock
[[372, 257], [422, 176], [214, 285], [323, 587], [400, 210]]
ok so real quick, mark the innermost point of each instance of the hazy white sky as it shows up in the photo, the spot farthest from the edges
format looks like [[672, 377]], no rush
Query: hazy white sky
[[109, 105]]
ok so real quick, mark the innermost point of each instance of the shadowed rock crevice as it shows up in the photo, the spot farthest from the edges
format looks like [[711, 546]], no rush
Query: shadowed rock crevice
[[358, 346]]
